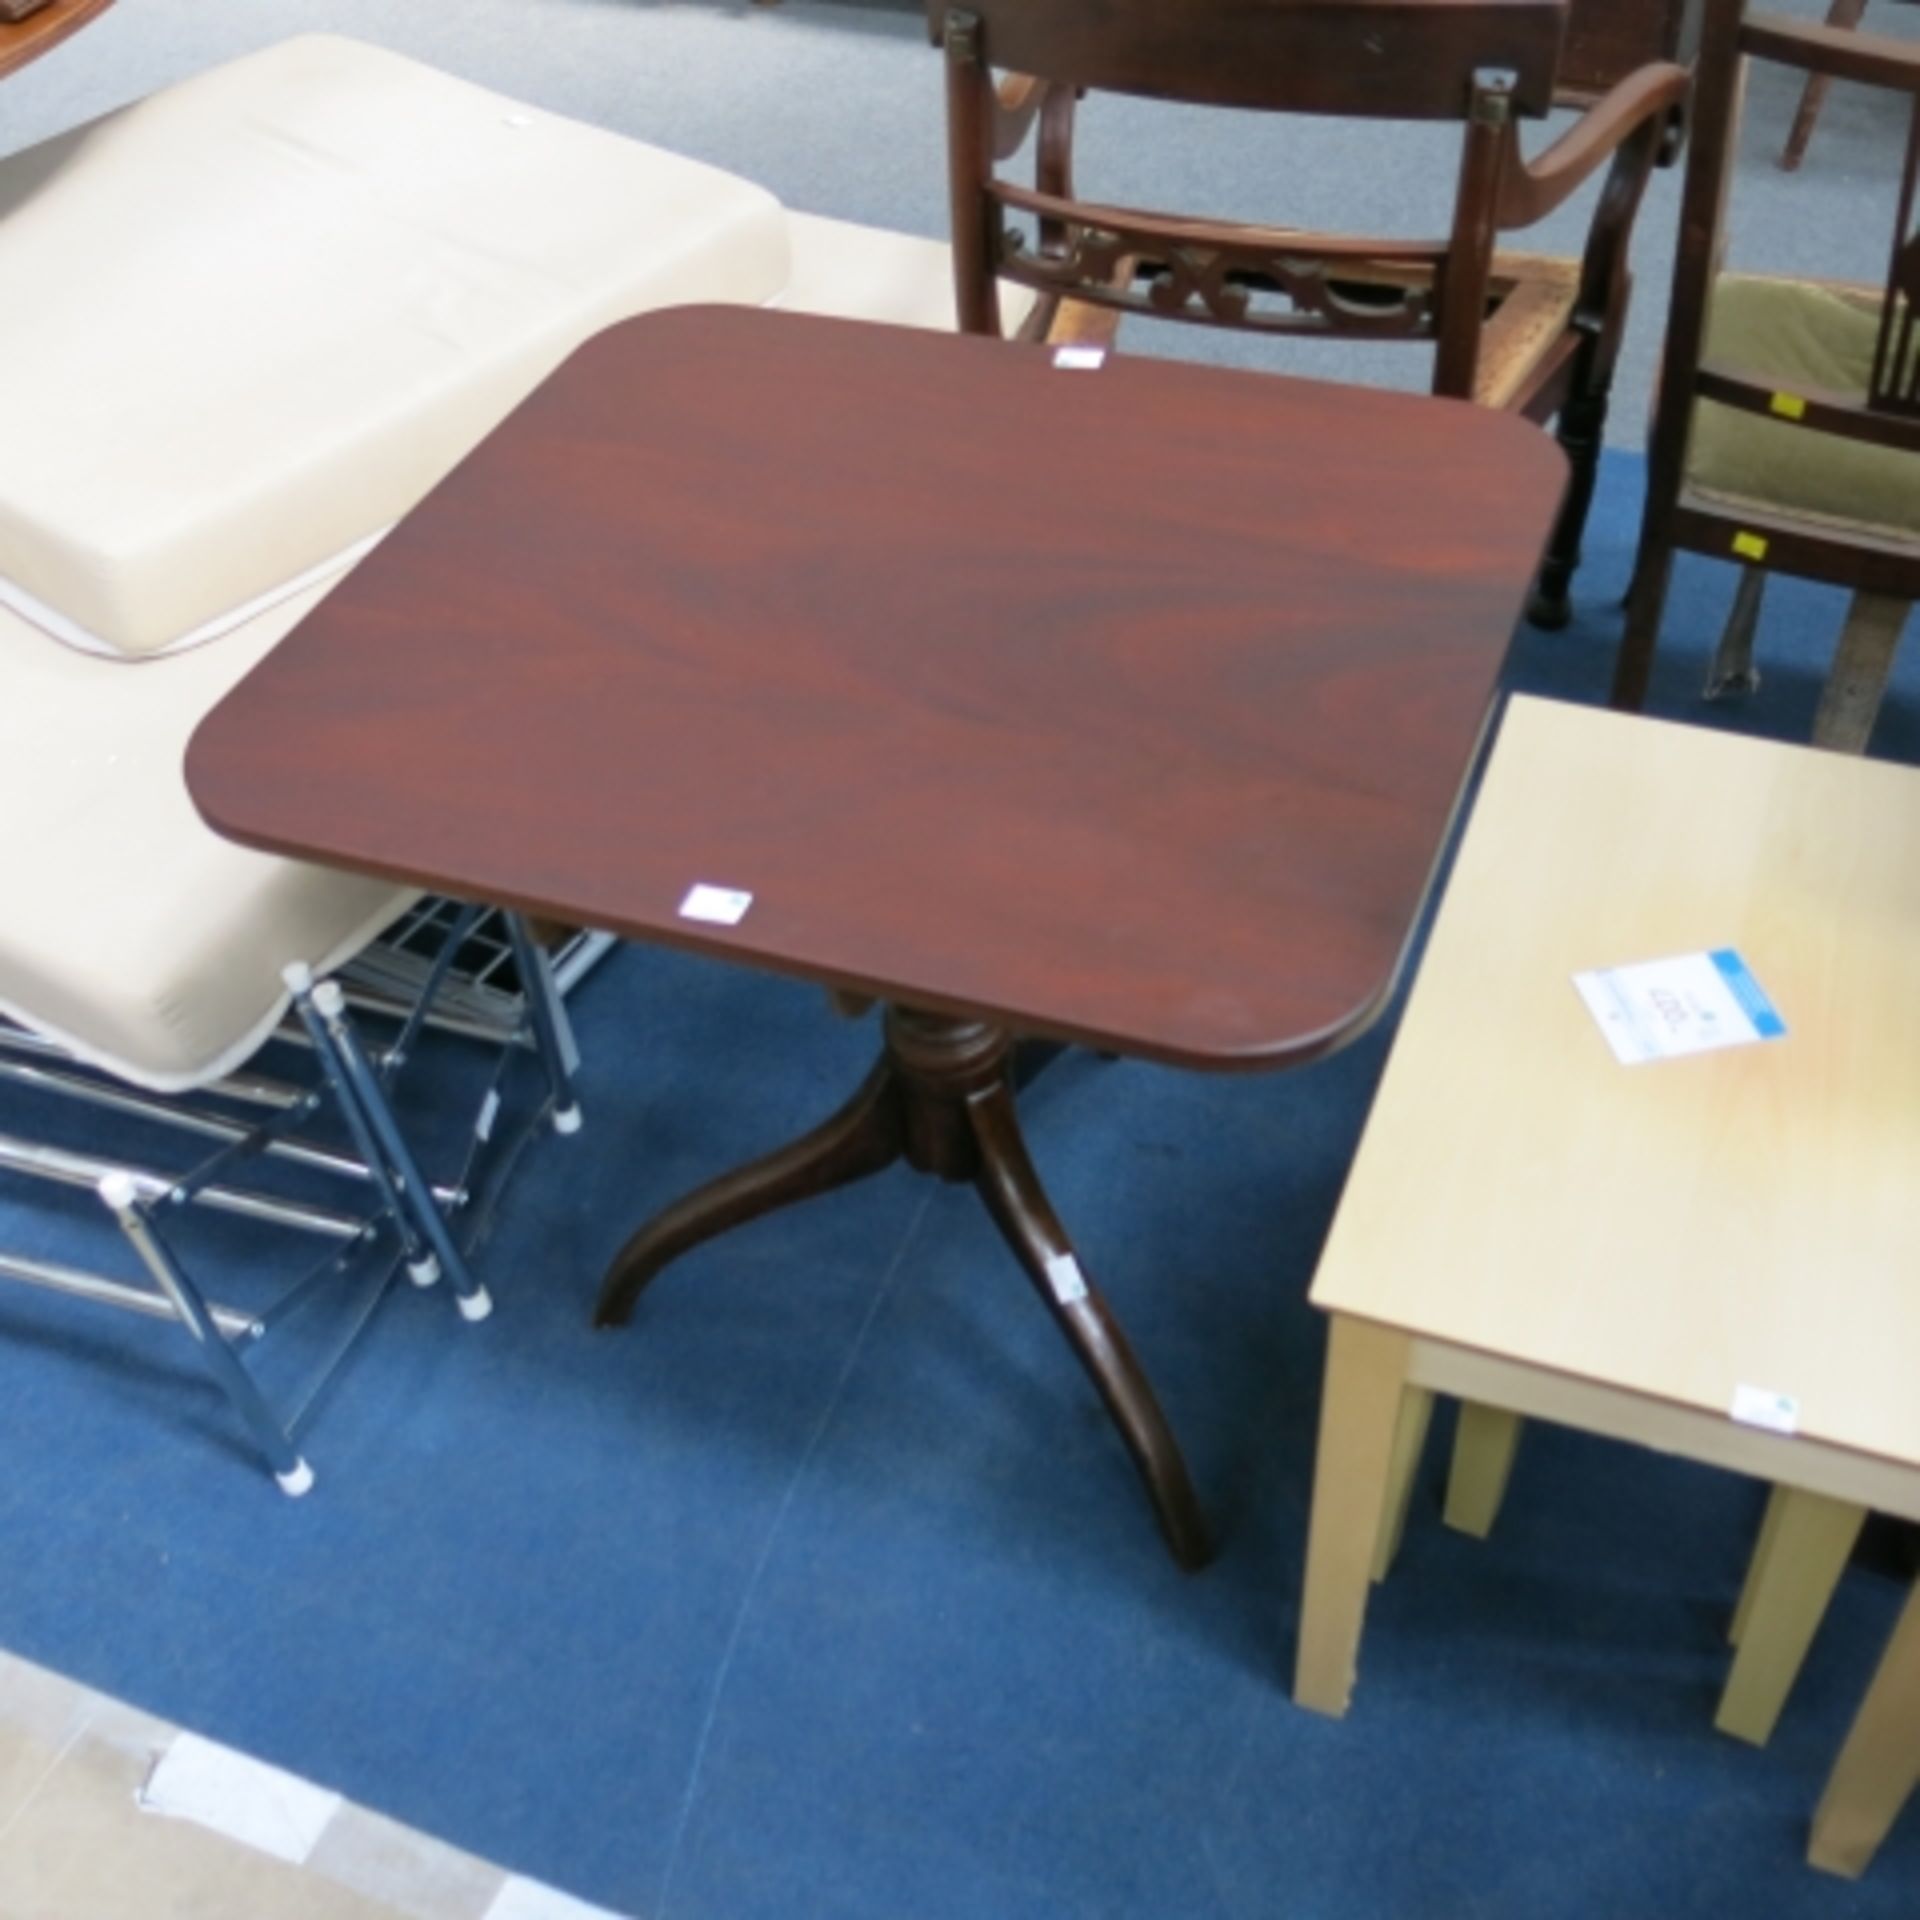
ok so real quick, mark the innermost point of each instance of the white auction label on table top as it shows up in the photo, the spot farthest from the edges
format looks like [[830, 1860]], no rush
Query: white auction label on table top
[[721, 906], [1689, 1004]]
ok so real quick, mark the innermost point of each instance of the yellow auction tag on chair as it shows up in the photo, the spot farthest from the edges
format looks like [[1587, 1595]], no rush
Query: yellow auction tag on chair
[[1749, 546], [1789, 406]]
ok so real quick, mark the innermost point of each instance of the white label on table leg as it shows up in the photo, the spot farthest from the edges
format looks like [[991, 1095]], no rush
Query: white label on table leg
[[1069, 1284], [1757, 1407], [723, 906]]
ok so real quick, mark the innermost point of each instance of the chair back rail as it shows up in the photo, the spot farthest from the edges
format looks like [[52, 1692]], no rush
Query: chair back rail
[[1873, 59], [1385, 59]]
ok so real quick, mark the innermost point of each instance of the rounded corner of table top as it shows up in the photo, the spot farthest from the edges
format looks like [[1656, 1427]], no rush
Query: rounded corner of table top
[[203, 770]]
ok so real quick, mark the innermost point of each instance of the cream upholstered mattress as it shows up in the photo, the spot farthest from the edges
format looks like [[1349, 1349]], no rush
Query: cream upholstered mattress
[[128, 929], [254, 317], [260, 315]]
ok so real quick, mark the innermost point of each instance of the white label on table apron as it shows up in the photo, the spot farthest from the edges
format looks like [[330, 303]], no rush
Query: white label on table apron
[[1079, 359], [1069, 1284], [1760, 1407], [723, 906], [1692, 1003]]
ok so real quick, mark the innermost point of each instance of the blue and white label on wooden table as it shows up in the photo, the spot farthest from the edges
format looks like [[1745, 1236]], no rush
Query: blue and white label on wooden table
[[1689, 1004]]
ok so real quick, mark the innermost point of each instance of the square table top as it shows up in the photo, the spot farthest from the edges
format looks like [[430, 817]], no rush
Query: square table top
[[1125, 705], [1687, 1226]]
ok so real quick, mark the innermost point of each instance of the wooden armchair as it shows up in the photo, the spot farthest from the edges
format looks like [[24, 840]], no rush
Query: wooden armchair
[[1788, 432], [1537, 336]]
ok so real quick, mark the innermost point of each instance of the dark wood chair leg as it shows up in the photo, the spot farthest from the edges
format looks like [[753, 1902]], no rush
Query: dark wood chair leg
[[1011, 1188], [1581, 431], [1845, 14], [865, 1136], [1634, 668]]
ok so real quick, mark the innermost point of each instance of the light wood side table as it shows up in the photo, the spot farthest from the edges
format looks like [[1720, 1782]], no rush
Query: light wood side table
[[1542, 1231]]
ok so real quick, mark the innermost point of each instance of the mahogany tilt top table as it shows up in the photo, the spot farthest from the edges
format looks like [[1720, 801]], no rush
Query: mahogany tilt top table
[[1123, 704]]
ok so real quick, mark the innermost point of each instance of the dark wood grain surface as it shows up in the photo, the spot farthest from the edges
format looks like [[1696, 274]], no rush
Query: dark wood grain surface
[[1126, 706], [1609, 39], [26, 40]]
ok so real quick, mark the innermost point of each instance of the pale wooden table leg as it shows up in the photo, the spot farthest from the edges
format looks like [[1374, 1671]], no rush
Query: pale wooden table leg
[[1757, 1566], [1805, 1553], [1484, 1444], [1409, 1442], [1850, 701], [1359, 1416], [1880, 1764]]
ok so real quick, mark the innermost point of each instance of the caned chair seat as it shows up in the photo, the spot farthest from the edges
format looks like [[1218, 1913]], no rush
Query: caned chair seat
[[1525, 339], [1805, 337], [1530, 323]]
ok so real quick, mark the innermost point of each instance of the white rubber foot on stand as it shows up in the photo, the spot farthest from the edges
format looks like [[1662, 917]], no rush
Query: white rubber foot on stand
[[567, 1119], [423, 1273], [298, 1479], [475, 1305]]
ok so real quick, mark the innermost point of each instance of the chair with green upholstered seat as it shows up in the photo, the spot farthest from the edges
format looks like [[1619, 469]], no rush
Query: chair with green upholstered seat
[[1801, 337], [1788, 433]]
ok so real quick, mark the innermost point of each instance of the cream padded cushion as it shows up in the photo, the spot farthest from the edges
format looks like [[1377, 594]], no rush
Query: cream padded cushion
[[130, 931], [869, 273], [1801, 336], [255, 317]]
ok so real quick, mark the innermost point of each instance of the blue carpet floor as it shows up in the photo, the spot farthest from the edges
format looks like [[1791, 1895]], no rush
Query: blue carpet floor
[[825, 1589]]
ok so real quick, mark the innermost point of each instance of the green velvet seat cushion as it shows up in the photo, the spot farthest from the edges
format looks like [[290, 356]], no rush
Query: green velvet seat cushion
[[1799, 336]]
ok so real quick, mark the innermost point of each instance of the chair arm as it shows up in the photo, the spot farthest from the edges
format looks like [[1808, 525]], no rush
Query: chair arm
[[1531, 191]]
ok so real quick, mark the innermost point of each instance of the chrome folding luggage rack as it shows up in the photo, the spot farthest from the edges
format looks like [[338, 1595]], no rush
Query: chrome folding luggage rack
[[474, 976]]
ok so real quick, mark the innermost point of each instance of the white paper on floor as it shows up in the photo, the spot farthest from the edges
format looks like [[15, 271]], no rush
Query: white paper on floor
[[246, 1800], [522, 1899]]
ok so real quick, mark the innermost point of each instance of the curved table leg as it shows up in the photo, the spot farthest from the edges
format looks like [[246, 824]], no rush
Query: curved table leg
[[1007, 1182], [862, 1138]]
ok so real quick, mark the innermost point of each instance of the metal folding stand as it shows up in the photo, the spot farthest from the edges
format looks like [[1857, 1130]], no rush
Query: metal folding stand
[[449, 971]]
